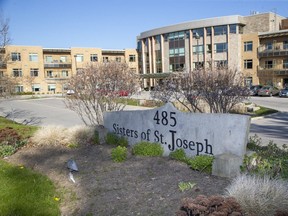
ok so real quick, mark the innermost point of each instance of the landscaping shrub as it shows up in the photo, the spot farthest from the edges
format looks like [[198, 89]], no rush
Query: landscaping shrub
[[179, 155], [6, 150], [268, 160], [81, 135], [119, 154], [213, 205], [113, 139], [259, 195], [9, 136], [147, 149], [201, 163]]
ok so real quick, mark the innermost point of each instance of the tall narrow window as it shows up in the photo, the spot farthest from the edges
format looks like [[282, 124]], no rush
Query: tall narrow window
[[233, 29], [33, 57], [118, 59], [285, 63]]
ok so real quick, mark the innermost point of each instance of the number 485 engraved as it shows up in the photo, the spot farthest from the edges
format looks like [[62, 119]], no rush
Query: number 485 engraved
[[165, 119]]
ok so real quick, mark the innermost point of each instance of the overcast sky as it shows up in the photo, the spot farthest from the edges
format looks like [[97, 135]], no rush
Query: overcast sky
[[113, 24]]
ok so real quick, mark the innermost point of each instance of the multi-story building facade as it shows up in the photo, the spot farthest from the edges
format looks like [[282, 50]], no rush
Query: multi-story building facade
[[46, 70], [231, 41], [273, 58]]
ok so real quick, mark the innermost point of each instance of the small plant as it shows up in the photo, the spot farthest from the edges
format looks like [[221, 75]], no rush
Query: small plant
[[186, 186], [6, 150], [147, 149], [201, 163], [179, 155], [113, 139], [119, 154], [73, 145]]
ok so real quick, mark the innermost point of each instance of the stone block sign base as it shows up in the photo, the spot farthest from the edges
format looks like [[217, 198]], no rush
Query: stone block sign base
[[226, 165]]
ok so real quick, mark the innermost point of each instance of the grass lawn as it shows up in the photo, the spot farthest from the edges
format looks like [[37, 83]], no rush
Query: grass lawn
[[24, 192]]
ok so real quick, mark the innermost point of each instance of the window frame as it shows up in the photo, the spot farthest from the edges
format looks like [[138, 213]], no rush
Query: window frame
[[94, 57], [15, 56], [248, 64], [248, 46], [17, 71], [34, 72], [33, 57]]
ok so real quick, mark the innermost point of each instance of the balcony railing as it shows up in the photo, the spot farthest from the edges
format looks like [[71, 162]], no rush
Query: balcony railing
[[277, 50], [273, 70], [57, 65]]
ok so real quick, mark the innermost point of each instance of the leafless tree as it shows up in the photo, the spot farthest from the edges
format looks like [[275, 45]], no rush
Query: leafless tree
[[4, 32], [98, 88], [220, 89], [7, 83]]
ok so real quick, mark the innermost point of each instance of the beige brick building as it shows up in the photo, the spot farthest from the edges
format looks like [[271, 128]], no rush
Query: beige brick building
[[46, 70], [230, 40]]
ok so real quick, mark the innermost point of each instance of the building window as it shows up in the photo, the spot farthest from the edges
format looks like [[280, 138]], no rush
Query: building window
[[52, 87], [285, 63], [35, 87], [79, 58], [50, 74], [118, 59], [17, 73], [63, 59], [157, 39], [1, 73], [248, 81], [34, 72], [19, 88], [248, 64], [209, 48], [268, 64], [220, 47], [241, 29], [269, 46], [177, 52], [94, 58], [248, 46], [33, 57], [199, 49], [105, 59], [220, 30], [233, 29], [285, 44], [176, 36], [198, 32], [132, 58], [221, 64], [208, 31], [16, 56], [48, 59], [65, 73]]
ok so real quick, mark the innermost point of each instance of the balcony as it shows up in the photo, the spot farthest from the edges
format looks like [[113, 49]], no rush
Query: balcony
[[276, 50], [57, 65], [273, 70]]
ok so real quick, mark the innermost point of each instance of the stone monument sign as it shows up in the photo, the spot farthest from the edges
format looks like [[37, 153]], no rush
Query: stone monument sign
[[195, 133]]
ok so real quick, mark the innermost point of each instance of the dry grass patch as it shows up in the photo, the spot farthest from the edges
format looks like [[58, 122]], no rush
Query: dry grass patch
[[57, 135], [259, 196]]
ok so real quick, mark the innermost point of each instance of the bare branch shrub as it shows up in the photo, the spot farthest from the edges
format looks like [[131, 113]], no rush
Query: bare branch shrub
[[259, 195], [97, 89], [219, 90]]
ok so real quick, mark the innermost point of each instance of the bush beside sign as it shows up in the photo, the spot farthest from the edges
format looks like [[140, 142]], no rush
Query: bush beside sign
[[196, 133]]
